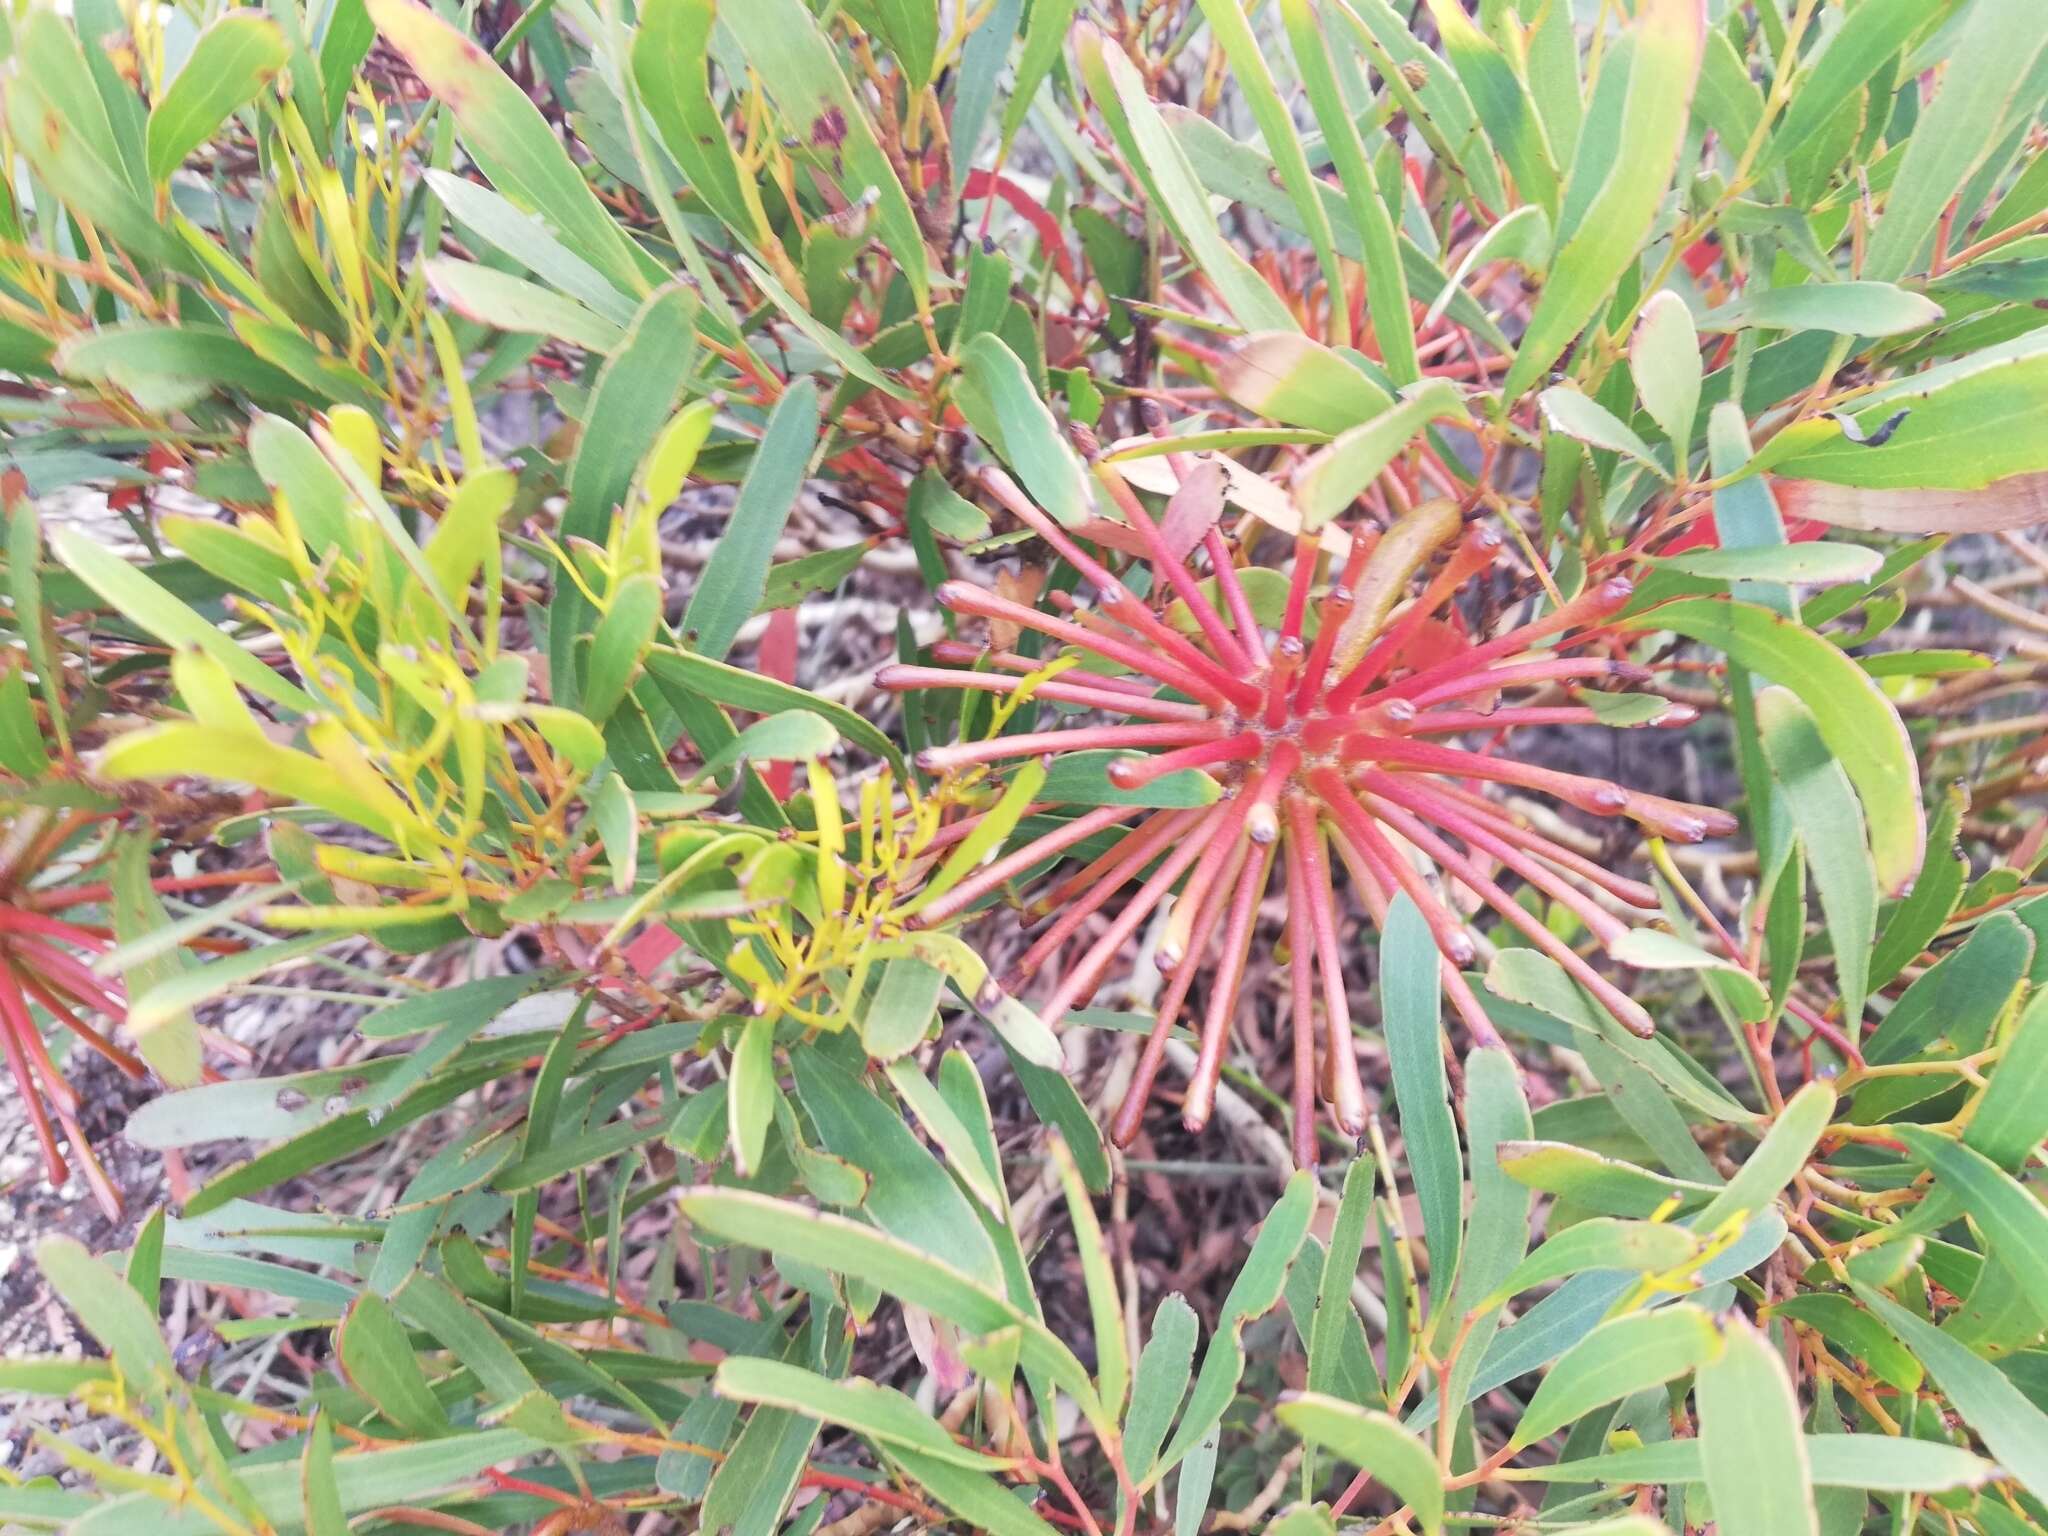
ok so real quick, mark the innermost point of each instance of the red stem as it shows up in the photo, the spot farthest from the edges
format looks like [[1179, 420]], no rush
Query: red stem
[[1237, 941], [1082, 738], [897, 678], [1137, 772], [1346, 1092], [990, 876]]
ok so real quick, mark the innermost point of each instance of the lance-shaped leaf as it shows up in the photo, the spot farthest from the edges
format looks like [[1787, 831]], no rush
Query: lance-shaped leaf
[[1634, 173]]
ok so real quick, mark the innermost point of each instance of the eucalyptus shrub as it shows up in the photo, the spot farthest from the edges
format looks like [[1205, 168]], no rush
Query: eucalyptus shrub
[[1318, 432]]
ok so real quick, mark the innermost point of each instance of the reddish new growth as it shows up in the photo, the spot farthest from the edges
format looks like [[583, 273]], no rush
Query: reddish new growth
[[1330, 748], [47, 961]]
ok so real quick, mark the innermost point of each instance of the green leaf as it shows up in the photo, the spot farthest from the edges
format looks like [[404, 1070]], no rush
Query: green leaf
[[364, 1480], [738, 688], [909, 1195], [1626, 1355], [1285, 376], [528, 241], [792, 581], [947, 1126], [1607, 1185], [230, 63], [1961, 996], [507, 303], [172, 1048], [1411, 993], [922, 1279], [511, 142], [621, 639], [112, 1312], [2013, 1220], [1871, 1463], [1386, 284], [324, 1514], [1045, 34], [2011, 1117], [1024, 430], [1664, 357], [784, 44], [881, 1413], [1502, 102], [1848, 1327], [1601, 1243], [1497, 1229], [131, 593], [1848, 309], [1120, 92], [1869, 37], [1080, 779], [1335, 1329], [981, 1502], [56, 121], [1164, 1367], [1778, 1157], [899, 1015], [1786, 564], [1831, 827], [1856, 721], [1331, 478], [381, 1364], [1105, 1304], [1376, 1442], [1750, 1446], [750, 1095], [1988, 62], [736, 576], [1252, 1294], [989, 834], [1967, 426], [1578, 415], [1232, 29], [671, 52], [2011, 1427], [1668, 36]]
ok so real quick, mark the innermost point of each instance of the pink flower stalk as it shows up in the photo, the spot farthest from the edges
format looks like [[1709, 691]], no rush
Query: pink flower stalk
[[1330, 752]]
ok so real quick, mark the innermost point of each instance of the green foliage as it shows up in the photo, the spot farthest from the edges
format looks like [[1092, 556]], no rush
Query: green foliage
[[357, 357]]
